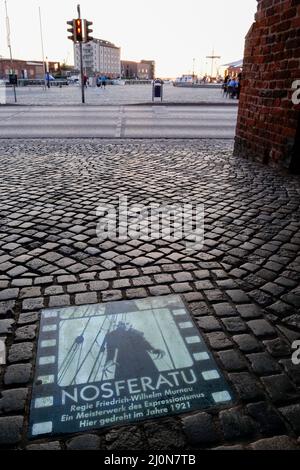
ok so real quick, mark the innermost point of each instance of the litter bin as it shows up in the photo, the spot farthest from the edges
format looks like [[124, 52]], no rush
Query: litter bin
[[13, 79], [157, 89]]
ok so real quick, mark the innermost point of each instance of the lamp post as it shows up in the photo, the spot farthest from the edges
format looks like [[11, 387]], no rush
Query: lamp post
[[10, 51], [43, 53]]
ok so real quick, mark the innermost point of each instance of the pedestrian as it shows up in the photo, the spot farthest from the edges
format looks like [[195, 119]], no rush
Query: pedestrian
[[225, 85], [103, 81], [99, 82], [239, 86], [85, 81], [232, 87]]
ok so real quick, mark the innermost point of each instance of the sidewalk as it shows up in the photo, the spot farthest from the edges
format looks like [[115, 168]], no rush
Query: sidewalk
[[242, 288]]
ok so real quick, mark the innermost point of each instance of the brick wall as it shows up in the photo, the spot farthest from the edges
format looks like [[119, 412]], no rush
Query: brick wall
[[268, 121]]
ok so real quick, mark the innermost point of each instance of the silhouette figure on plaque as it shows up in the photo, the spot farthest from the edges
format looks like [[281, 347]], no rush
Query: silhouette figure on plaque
[[129, 353]]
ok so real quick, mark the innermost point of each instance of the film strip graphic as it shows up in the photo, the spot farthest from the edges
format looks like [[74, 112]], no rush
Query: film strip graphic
[[46, 410], [220, 392], [43, 400]]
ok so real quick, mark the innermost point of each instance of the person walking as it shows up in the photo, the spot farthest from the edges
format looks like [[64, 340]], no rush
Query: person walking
[[85, 81], [103, 81]]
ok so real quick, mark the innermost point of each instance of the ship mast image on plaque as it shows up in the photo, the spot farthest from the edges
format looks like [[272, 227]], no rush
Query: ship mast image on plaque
[[111, 364]]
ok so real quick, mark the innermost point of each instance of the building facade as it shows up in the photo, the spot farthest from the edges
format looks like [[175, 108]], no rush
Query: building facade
[[31, 70], [99, 57], [143, 70], [129, 69]]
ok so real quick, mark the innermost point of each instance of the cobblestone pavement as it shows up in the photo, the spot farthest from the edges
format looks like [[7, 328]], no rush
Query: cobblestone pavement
[[242, 288], [129, 94]]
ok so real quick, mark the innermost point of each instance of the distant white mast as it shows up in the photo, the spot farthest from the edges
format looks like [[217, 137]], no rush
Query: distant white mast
[[9, 47]]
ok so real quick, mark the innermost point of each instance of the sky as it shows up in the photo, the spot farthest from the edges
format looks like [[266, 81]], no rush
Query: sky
[[177, 34]]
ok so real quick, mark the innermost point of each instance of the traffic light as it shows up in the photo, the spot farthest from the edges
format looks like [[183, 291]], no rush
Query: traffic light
[[72, 30], [78, 30], [88, 31]]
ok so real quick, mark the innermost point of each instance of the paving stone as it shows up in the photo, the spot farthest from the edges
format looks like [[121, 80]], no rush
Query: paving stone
[[6, 307], [20, 352], [121, 284], [17, 374], [214, 295], [183, 277], [6, 327], [66, 279], [218, 340], [151, 270], [246, 386], [55, 445], [203, 285], [33, 304], [137, 293], [142, 261], [54, 290], [43, 280], [238, 296], [270, 422], [234, 325], [199, 429], [236, 425], [164, 435], [159, 290], [9, 294], [249, 311], [236, 447], [59, 301], [75, 288], [126, 439], [22, 282], [279, 387], [84, 442], [17, 271], [163, 278], [224, 310], [263, 364], [261, 328], [110, 274], [293, 321], [28, 292], [181, 287], [125, 273], [13, 400], [275, 443], [277, 347], [232, 360], [86, 298], [111, 295], [192, 296], [292, 414], [26, 333], [142, 281], [10, 430], [28, 317], [209, 324], [247, 343], [292, 369]]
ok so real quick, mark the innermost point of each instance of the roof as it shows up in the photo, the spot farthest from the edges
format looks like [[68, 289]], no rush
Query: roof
[[237, 63]]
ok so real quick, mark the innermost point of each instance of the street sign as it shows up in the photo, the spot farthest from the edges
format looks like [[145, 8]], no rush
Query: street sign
[[121, 362]]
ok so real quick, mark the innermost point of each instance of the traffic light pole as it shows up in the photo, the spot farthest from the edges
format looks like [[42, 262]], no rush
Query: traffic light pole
[[81, 61]]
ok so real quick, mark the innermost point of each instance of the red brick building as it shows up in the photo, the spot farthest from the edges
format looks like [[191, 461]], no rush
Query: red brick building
[[143, 70], [268, 128], [27, 69]]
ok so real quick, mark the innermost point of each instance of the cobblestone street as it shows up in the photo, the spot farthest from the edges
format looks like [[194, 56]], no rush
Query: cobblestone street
[[242, 287]]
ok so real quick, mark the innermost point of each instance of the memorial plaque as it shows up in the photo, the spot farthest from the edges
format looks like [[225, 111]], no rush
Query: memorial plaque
[[111, 364]]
